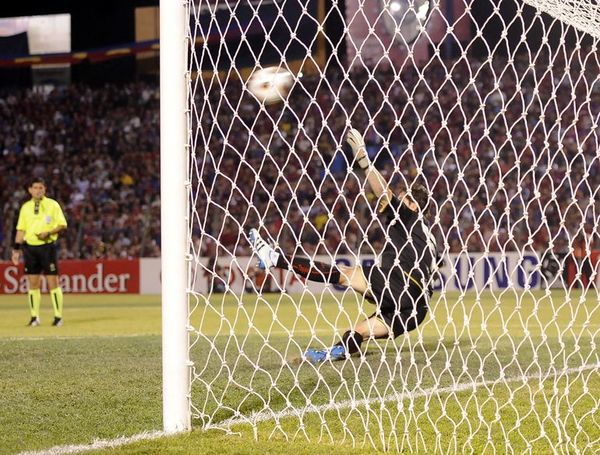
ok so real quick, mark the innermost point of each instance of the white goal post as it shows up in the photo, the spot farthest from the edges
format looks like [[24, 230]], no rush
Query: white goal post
[[174, 147], [514, 209]]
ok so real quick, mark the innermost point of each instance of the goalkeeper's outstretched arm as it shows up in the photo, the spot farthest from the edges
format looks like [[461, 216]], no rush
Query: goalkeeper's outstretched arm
[[376, 181]]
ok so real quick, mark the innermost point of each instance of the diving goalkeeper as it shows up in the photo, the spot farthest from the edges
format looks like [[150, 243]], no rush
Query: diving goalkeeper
[[400, 286]]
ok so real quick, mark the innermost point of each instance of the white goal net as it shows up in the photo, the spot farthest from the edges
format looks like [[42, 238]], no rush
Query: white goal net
[[494, 107]]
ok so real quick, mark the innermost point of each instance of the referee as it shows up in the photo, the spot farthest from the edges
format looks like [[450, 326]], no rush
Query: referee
[[40, 221]]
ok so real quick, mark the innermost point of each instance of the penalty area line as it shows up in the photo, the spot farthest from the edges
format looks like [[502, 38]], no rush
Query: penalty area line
[[264, 416]]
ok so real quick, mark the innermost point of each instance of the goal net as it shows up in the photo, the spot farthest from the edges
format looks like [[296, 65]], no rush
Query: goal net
[[494, 107]]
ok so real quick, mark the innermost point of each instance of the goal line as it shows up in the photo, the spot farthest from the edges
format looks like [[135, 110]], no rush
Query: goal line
[[98, 444], [264, 416]]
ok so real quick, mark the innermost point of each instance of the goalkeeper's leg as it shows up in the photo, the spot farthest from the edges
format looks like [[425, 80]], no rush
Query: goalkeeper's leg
[[398, 311], [401, 306], [377, 326], [312, 270]]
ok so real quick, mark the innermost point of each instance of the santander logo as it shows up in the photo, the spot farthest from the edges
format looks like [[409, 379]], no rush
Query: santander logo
[[111, 277]]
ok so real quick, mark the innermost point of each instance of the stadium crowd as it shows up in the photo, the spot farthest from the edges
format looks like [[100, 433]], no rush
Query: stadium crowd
[[508, 149]]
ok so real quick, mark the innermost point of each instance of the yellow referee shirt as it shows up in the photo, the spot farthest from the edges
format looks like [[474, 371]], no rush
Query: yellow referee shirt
[[47, 217]]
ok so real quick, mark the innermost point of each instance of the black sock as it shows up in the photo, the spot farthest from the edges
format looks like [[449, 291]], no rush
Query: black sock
[[314, 271], [351, 341]]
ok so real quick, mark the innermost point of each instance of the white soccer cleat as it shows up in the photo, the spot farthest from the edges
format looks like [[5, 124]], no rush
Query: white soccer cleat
[[267, 257]]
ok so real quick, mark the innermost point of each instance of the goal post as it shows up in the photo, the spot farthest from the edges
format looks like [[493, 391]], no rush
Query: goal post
[[174, 159], [505, 140]]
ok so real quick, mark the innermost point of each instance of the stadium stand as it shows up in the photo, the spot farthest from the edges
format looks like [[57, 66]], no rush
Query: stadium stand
[[98, 149]]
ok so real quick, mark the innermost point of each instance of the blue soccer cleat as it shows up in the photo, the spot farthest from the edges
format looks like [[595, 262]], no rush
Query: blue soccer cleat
[[317, 356]]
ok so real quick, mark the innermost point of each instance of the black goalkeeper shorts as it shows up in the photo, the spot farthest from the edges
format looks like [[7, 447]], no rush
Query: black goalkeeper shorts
[[401, 302], [40, 258]]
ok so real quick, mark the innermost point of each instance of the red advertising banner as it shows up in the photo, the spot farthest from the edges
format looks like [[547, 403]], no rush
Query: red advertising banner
[[86, 277]]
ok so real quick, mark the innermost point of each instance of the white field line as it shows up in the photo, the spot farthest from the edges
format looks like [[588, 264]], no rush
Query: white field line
[[286, 333], [98, 444], [134, 335], [264, 416], [77, 337]]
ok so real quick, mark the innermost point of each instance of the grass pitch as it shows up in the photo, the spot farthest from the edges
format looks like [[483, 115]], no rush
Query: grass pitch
[[484, 370]]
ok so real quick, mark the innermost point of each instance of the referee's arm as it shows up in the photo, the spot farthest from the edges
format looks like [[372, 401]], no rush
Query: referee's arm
[[16, 252], [56, 230]]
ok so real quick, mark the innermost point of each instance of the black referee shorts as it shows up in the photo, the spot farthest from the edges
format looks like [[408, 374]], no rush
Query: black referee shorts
[[40, 258], [401, 303]]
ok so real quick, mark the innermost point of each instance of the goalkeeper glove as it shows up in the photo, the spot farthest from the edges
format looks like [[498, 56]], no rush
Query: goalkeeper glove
[[357, 143]]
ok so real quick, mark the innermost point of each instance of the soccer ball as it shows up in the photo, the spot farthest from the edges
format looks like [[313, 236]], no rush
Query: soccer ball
[[270, 85]]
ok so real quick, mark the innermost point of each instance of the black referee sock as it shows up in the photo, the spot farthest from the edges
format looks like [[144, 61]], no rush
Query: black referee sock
[[351, 341], [311, 270]]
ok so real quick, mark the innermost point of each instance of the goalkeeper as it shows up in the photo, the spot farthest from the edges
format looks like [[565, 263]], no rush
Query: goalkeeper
[[400, 286]]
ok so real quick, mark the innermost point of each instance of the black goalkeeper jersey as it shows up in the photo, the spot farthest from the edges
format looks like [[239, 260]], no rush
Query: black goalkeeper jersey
[[409, 243]]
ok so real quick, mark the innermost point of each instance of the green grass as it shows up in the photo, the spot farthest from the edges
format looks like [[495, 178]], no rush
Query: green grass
[[99, 376]]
